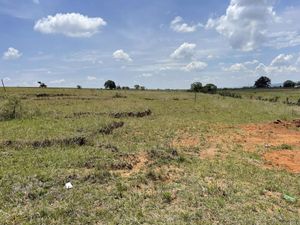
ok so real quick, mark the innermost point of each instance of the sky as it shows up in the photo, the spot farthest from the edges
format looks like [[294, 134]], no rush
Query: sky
[[157, 43]]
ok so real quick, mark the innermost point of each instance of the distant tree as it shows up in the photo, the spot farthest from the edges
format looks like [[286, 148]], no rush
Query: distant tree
[[263, 82], [78, 87], [289, 84], [42, 85], [196, 87], [136, 87], [125, 88], [143, 88], [118, 87], [109, 84], [210, 89]]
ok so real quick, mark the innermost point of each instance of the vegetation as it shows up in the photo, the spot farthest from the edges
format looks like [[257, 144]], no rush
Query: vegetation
[[181, 164], [289, 84], [109, 84], [42, 85], [263, 82], [196, 87]]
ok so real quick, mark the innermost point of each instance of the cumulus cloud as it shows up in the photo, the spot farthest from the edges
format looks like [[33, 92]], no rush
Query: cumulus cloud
[[282, 60], [238, 67], [11, 54], [195, 66], [245, 23], [186, 50], [90, 78], [178, 25], [36, 1], [70, 24], [120, 55]]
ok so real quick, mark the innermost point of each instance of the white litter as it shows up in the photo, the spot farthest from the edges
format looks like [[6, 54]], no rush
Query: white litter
[[68, 185]]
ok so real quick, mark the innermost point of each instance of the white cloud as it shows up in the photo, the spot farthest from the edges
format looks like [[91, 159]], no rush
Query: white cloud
[[11, 54], [245, 23], [195, 66], [186, 50], [57, 81], [178, 25], [36, 1], [248, 66], [238, 67], [70, 24], [120, 55], [282, 60], [6, 79], [90, 78]]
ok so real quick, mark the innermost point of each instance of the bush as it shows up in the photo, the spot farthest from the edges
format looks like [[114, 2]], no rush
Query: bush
[[11, 108]]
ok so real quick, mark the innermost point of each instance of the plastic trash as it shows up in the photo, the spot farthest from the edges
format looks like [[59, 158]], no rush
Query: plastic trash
[[289, 198], [68, 185]]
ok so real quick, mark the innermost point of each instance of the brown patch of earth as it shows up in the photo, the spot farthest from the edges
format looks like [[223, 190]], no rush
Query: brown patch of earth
[[185, 141], [267, 135], [287, 159], [137, 163], [208, 153]]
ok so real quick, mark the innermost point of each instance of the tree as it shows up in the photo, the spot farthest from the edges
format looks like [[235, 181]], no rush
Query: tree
[[196, 87], [210, 89], [78, 87], [263, 82], [143, 88], [109, 84], [289, 84], [42, 85], [136, 87]]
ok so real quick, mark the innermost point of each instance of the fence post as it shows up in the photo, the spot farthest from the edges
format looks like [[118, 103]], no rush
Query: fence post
[[3, 85]]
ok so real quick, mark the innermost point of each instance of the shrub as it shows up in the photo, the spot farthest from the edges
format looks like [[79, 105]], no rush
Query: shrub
[[11, 108]]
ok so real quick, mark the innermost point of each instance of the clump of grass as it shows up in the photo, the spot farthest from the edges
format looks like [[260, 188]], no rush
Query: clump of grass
[[285, 147], [118, 95], [11, 108], [167, 197]]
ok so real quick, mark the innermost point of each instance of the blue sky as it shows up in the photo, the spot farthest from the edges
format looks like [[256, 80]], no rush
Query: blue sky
[[158, 43]]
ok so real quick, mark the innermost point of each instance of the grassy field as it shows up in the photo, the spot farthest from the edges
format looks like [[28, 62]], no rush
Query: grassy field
[[186, 163]]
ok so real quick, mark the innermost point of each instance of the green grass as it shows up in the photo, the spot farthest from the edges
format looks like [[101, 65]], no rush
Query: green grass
[[221, 190]]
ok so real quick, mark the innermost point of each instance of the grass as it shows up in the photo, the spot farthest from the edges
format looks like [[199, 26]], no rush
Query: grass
[[167, 185]]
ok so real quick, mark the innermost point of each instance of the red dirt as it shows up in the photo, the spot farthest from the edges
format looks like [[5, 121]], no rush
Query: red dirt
[[288, 159]]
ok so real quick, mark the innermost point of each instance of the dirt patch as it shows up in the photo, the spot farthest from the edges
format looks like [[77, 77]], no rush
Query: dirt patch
[[130, 164], [268, 135], [208, 153], [287, 159], [147, 112], [185, 141]]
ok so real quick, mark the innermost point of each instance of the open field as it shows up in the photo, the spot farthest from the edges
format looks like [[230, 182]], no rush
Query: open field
[[218, 160]]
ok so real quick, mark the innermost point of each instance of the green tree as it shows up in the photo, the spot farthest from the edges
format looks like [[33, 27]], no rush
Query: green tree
[[289, 84], [109, 84], [196, 87], [210, 89], [263, 82]]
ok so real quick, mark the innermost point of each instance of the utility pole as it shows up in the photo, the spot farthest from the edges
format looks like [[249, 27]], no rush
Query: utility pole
[[3, 85]]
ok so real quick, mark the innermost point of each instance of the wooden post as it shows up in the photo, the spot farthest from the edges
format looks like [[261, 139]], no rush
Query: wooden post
[[3, 85]]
